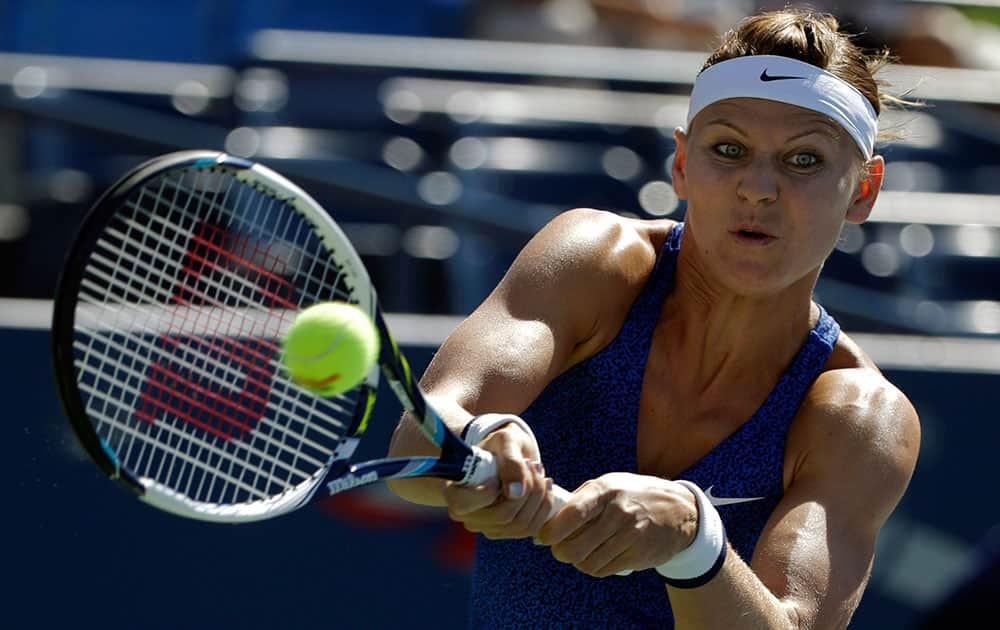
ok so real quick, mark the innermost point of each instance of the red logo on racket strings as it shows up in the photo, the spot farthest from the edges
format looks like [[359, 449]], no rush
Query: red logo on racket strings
[[196, 375], [203, 397]]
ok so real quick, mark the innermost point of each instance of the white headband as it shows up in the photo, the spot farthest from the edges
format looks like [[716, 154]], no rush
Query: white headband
[[789, 81]]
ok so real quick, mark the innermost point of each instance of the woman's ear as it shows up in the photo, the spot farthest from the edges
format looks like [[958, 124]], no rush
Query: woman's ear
[[678, 163], [867, 192]]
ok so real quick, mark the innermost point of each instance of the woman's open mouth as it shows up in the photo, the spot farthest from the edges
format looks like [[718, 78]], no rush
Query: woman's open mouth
[[750, 236]]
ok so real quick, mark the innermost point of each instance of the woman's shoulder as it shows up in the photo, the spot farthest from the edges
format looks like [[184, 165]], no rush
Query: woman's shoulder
[[594, 264], [852, 408], [851, 387], [848, 354], [594, 239], [604, 255]]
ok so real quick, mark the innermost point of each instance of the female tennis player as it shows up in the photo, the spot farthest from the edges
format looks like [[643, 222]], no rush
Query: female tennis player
[[728, 447]]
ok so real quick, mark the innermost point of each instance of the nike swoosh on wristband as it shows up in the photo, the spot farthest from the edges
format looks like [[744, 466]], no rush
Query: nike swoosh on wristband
[[727, 500], [764, 76]]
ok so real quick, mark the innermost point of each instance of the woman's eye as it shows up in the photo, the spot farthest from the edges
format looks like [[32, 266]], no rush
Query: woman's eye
[[729, 150], [804, 160]]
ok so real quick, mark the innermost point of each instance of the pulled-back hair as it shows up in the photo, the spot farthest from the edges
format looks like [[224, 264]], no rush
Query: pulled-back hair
[[814, 38]]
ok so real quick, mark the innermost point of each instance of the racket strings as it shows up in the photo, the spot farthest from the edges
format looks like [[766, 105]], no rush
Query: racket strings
[[187, 292], [208, 459], [129, 392], [150, 322]]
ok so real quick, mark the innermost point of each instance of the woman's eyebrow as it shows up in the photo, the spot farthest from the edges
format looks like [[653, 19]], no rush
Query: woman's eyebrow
[[823, 127], [725, 123], [817, 126], [829, 133]]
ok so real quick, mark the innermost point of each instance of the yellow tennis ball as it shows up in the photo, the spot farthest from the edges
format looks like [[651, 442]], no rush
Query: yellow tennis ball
[[330, 348]]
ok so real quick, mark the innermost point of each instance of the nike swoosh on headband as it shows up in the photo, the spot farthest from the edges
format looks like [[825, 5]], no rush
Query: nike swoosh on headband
[[764, 76], [728, 500]]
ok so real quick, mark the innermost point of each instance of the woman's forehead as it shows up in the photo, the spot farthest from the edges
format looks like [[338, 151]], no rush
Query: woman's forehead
[[756, 112]]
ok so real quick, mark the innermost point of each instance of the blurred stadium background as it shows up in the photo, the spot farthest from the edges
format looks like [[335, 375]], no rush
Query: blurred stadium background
[[442, 134]]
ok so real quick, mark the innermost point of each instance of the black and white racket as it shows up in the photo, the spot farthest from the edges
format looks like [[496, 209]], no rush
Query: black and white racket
[[166, 329]]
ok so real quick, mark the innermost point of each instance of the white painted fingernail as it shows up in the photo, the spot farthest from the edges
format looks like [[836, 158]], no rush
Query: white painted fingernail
[[515, 490]]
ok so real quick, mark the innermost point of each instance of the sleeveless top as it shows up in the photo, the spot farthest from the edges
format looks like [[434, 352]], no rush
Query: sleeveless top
[[586, 423]]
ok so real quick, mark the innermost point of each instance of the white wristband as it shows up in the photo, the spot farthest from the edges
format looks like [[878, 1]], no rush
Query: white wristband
[[702, 559], [481, 426]]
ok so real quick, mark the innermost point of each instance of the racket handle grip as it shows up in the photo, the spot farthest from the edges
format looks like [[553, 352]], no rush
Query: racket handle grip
[[486, 469], [560, 496]]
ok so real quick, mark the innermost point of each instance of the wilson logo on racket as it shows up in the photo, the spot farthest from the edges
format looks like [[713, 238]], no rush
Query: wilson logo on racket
[[209, 404], [351, 481], [181, 387]]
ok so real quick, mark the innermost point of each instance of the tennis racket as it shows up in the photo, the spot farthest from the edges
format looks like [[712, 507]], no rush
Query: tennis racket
[[166, 329]]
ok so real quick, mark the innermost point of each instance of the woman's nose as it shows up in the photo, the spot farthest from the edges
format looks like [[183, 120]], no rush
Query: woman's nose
[[759, 185]]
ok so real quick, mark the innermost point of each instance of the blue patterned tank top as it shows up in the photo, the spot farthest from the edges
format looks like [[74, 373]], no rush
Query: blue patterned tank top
[[586, 425]]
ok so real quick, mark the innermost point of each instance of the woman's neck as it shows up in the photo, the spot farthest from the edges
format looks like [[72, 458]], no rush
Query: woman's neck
[[719, 331]]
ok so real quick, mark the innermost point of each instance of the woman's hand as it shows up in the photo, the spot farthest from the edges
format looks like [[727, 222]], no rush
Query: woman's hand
[[622, 521], [515, 507]]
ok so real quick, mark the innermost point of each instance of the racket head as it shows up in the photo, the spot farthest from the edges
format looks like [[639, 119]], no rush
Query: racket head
[[183, 277]]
